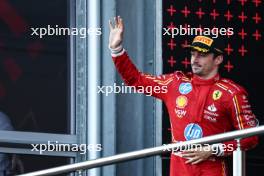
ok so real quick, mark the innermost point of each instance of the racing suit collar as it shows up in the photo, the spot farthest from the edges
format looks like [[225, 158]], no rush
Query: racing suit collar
[[199, 81]]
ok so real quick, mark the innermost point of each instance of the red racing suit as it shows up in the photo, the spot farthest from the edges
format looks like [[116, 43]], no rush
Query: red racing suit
[[197, 108]]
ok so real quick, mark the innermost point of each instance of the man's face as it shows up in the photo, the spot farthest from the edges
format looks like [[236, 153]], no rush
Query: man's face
[[203, 64]]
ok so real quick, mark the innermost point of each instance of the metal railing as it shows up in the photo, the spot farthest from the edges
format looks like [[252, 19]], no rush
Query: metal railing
[[239, 134]]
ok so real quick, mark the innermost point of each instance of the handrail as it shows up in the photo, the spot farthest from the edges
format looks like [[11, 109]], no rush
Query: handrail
[[147, 152]]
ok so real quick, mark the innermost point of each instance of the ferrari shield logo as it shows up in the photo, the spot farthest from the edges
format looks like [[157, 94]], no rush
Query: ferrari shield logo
[[217, 94]]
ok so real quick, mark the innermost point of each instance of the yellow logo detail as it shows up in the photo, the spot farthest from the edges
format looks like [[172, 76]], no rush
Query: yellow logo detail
[[217, 94], [202, 39], [181, 101]]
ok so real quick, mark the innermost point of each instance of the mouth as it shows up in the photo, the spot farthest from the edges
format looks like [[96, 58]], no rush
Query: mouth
[[196, 66]]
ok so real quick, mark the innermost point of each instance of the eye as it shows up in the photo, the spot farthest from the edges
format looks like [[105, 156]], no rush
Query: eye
[[203, 54]]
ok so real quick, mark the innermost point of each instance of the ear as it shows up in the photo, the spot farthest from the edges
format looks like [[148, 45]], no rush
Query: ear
[[218, 60]]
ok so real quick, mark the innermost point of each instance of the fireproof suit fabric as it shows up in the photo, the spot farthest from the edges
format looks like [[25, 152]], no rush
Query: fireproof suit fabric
[[197, 108]]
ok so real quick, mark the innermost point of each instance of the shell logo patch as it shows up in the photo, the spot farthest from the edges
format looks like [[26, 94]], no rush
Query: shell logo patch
[[181, 101], [217, 94]]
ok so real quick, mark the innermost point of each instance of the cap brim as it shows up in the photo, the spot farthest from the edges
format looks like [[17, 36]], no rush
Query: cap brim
[[218, 51], [203, 50], [197, 48]]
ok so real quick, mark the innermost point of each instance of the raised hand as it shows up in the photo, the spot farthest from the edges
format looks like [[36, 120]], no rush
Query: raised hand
[[116, 32]]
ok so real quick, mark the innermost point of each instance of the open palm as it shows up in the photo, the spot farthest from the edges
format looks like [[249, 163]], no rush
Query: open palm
[[116, 33]]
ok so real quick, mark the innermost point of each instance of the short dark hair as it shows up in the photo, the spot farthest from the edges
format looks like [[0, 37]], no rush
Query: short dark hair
[[217, 54]]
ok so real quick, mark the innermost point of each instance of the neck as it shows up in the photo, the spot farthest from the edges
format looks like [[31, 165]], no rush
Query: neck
[[208, 76]]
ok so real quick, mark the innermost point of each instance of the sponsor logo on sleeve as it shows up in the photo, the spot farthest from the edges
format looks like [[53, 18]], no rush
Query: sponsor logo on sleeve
[[248, 117], [244, 97], [253, 123], [246, 106], [247, 111]]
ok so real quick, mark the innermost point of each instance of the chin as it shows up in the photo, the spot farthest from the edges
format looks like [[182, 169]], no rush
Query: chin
[[197, 72]]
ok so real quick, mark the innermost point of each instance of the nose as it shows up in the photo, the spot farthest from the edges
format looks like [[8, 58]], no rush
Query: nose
[[194, 57]]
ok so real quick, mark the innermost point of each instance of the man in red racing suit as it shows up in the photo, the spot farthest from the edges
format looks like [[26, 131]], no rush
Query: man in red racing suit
[[198, 106]]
